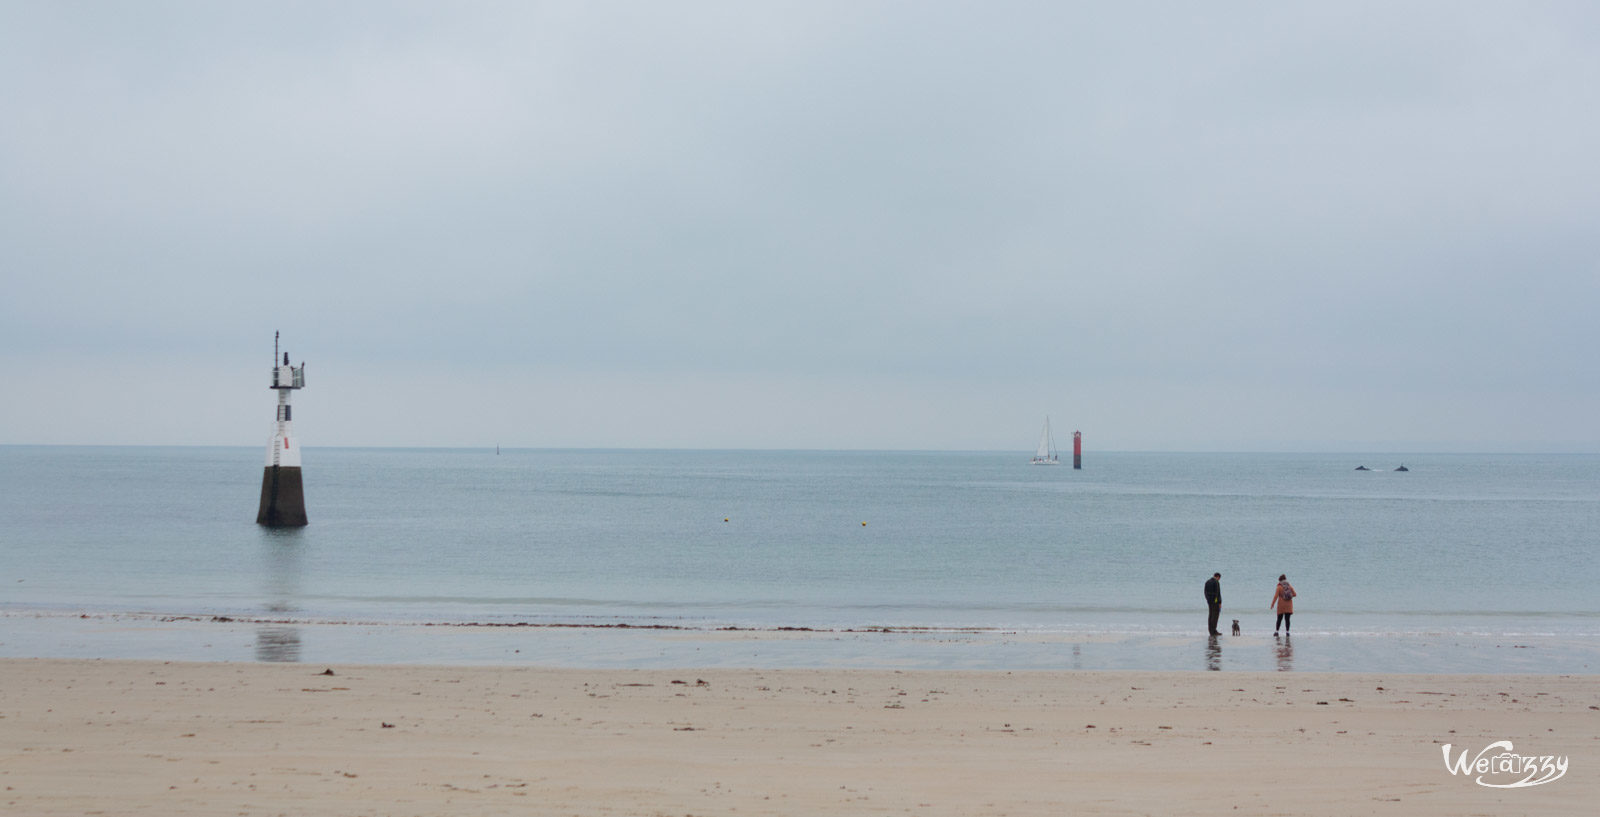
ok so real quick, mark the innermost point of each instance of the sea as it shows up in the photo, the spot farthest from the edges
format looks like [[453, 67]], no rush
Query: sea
[[1462, 563]]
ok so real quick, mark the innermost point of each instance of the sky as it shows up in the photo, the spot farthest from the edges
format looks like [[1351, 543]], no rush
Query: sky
[[814, 225]]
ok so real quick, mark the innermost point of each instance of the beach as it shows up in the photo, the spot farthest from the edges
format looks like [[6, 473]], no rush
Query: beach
[[718, 633], [80, 736]]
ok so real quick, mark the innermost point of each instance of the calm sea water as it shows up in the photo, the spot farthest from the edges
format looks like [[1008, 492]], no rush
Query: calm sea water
[[1460, 549]]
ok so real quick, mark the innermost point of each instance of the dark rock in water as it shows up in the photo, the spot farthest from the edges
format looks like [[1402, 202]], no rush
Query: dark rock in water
[[1402, 468], [1362, 468]]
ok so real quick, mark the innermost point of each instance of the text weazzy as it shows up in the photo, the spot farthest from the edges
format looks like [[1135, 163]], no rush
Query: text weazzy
[[1499, 767]]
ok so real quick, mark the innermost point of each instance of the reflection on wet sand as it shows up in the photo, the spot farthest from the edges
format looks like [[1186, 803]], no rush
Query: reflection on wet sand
[[280, 644], [1285, 653], [280, 548], [1213, 654]]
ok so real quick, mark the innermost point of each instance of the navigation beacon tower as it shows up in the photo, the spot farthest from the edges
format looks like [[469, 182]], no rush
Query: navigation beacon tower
[[283, 498]]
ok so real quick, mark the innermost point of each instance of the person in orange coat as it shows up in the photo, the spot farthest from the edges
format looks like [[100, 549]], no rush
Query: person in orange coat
[[1283, 599]]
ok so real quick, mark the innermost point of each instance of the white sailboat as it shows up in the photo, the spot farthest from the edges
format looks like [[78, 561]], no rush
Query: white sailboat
[[1046, 455]]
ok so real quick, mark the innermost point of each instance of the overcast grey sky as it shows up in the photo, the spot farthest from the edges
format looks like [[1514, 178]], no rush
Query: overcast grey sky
[[1175, 226]]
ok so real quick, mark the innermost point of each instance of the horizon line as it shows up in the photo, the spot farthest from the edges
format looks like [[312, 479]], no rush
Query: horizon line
[[425, 447]]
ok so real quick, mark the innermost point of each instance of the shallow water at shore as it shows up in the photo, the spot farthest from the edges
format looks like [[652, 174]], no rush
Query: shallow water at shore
[[618, 647], [1464, 563]]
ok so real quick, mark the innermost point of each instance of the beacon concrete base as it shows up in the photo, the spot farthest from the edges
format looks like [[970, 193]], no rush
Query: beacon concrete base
[[283, 498]]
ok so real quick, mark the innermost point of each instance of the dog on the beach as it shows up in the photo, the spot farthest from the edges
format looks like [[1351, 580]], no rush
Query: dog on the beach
[[1236, 626]]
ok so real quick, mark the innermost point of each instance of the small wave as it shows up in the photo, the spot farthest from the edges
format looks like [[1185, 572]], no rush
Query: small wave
[[688, 625]]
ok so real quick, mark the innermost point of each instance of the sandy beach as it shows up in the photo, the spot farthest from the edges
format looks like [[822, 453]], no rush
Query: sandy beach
[[121, 737]]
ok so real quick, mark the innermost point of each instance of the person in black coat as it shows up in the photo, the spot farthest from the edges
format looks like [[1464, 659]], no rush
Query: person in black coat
[[1214, 602]]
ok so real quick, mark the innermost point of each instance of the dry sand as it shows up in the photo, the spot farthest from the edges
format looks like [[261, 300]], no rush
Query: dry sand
[[133, 737]]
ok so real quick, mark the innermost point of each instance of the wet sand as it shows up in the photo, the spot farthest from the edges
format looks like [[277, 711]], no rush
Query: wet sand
[[119, 737]]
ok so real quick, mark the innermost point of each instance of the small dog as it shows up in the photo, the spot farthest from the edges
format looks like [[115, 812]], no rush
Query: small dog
[[1236, 626]]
